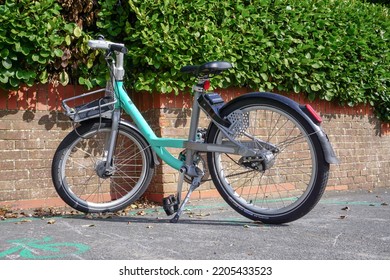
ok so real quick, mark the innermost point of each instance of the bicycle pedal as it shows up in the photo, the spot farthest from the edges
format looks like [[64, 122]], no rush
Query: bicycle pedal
[[170, 205]]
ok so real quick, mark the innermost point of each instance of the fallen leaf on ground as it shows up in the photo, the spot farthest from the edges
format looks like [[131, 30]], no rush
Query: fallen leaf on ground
[[3, 211], [105, 216], [51, 222], [141, 213], [141, 203], [23, 221], [346, 208], [203, 214], [91, 225]]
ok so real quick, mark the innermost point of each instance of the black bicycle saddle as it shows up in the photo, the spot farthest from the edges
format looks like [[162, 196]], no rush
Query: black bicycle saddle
[[214, 67]]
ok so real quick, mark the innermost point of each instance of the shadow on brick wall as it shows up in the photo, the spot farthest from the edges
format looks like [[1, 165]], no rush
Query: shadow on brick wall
[[374, 123], [39, 101]]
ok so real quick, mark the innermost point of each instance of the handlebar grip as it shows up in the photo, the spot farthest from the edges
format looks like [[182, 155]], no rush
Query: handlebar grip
[[118, 47], [107, 45], [99, 44]]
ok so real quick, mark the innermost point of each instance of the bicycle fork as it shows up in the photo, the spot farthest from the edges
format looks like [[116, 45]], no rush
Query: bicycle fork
[[106, 167]]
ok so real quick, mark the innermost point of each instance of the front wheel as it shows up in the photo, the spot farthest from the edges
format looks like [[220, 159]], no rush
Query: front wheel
[[79, 159], [290, 178]]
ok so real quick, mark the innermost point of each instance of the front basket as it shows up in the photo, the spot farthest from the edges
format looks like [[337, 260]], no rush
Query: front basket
[[100, 107]]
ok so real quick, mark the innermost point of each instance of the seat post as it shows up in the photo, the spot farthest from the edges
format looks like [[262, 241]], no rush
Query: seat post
[[197, 91]]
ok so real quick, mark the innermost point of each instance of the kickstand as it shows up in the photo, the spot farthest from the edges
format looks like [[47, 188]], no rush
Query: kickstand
[[195, 183]]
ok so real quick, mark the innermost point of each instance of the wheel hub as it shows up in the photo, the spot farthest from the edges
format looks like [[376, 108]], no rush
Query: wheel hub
[[102, 171], [263, 161]]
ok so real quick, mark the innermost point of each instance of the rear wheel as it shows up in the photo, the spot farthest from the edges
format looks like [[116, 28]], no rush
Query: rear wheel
[[78, 164], [287, 180]]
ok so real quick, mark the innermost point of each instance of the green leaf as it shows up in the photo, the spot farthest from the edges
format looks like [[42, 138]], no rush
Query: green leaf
[[3, 79], [77, 32], [297, 88], [81, 81], [88, 83], [68, 40], [7, 63], [42, 60], [316, 65], [69, 27], [90, 63], [315, 87], [45, 54], [35, 57], [4, 53], [58, 53], [22, 75], [311, 96], [264, 76], [13, 82], [44, 77], [64, 78]]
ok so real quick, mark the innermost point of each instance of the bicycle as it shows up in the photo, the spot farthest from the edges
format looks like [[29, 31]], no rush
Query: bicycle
[[267, 155]]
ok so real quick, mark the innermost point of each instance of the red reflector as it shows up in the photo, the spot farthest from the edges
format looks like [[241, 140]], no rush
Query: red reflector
[[313, 113], [206, 85]]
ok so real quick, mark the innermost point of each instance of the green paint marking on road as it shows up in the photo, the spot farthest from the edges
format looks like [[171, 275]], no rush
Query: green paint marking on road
[[19, 220], [30, 219], [44, 248]]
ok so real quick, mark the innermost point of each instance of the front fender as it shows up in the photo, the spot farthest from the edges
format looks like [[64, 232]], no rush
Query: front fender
[[327, 148], [131, 126]]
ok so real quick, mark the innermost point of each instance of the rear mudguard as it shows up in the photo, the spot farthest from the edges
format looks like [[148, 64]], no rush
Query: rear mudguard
[[327, 149]]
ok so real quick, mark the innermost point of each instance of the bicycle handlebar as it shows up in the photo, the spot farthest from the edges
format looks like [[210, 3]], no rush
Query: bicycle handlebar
[[107, 45]]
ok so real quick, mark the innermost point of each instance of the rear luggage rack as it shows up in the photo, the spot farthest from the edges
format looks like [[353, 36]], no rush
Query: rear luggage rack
[[101, 107]]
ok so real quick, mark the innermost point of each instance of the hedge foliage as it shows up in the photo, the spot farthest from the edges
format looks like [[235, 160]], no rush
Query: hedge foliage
[[334, 50], [38, 45], [330, 49]]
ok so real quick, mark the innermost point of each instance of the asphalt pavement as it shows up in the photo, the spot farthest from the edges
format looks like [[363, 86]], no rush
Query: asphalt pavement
[[349, 225]]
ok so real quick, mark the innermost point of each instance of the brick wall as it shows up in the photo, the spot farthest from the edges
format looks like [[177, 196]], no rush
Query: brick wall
[[31, 127]]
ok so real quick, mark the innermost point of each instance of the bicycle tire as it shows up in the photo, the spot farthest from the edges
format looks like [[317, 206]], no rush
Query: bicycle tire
[[292, 186], [78, 157]]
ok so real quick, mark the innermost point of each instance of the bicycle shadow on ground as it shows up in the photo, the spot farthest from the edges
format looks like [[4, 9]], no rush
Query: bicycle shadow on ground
[[237, 222]]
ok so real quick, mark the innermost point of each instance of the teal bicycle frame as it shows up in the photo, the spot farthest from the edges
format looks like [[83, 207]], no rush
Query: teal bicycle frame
[[158, 144]]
